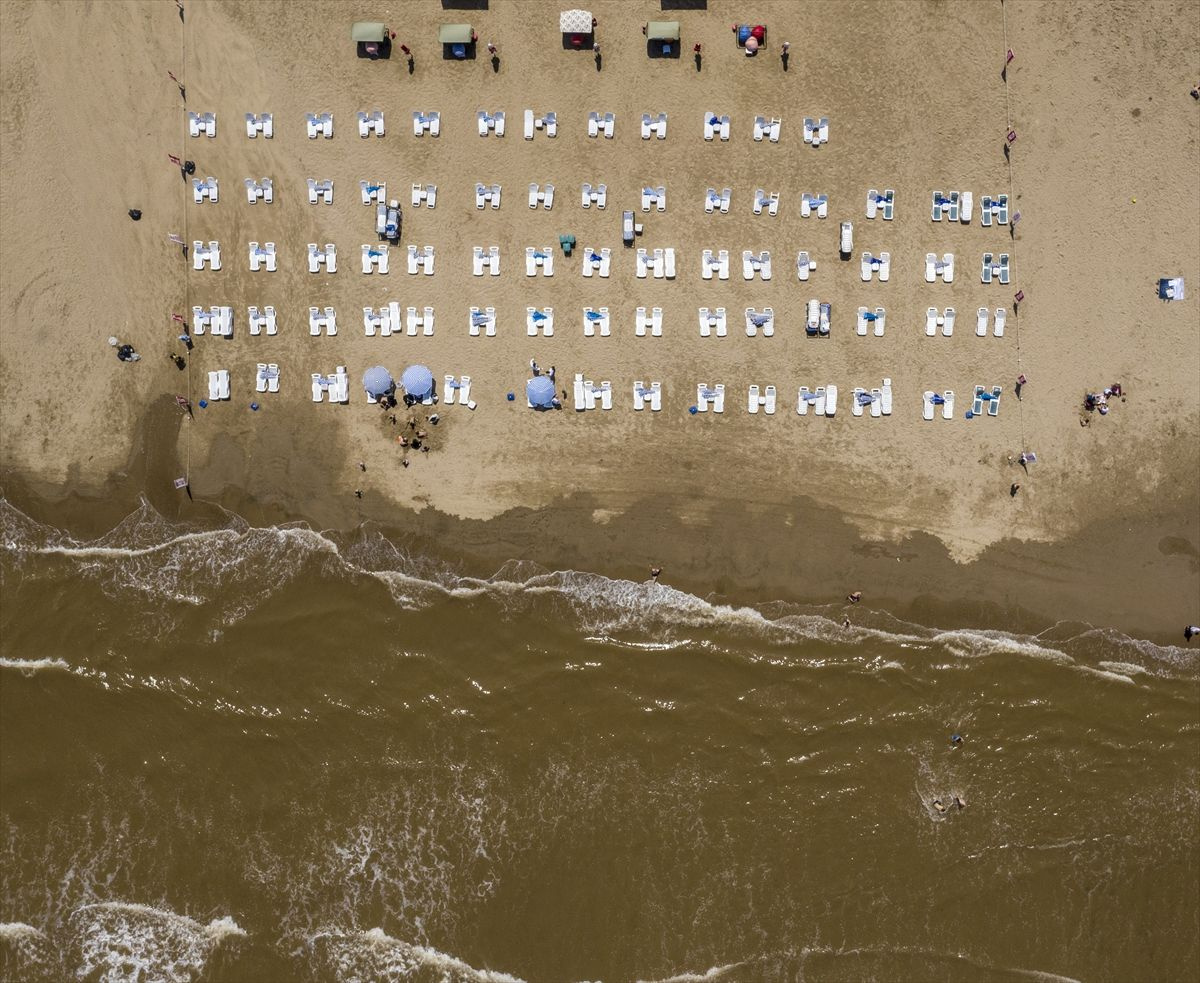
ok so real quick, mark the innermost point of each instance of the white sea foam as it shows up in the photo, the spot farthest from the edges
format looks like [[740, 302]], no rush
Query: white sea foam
[[159, 560], [30, 666], [713, 973], [129, 943], [375, 957]]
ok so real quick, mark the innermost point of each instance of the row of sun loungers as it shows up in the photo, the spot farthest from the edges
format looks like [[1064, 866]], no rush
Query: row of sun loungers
[[218, 385], [656, 197], [267, 378], [656, 126], [318, 319], [420, 260], [714, 200], [716, 126], [659, 262], [536, 259], [994, 267], [387, 321], [981, 324], [643, 395], [713, 321], [879, 400], [202, 254], [598, 196], [337, 386], [482, 320], [943, 320], [718, 264], [422, 194], [216, 320], [483, 194], [539, 320], [326, 257], [596, 319], [597, 262], [810, 203], [943, 267], [427, 122], [766, 400], [762, 199], [959, 206], [259, 189], [822, 401], [375, 259], [874, 320], [589, 396], [816, 131], [205, 190], [547, 123], [651, 322], [767, 128], [202, 123], [881, 204], [880, 266], [257, 123], [756, 264], [489, 260], [263, 255], [984, 398], [369, 123], [756, 321], [490, 123], [320, 191], [319, 125], [460, 388], [539, 195], [932, 400], [601, 124], [817, 320], [260, 320]]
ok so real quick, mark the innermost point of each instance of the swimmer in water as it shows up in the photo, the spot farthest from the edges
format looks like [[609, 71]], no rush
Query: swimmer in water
[[937, 804]]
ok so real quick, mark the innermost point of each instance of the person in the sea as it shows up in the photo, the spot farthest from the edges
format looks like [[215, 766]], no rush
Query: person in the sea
[[1190, 632], [939, 805], [655, 573], [855, 597]]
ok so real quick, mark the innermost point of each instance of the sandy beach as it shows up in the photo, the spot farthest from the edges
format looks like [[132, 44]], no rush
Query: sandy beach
[[1104, 172]]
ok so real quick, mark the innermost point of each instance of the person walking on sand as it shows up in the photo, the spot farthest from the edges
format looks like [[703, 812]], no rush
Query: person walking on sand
[[855, 597], [1012, 492], [1190, 632]]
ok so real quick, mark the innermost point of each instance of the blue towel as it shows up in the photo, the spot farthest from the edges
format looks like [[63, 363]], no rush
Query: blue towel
[[539, 255], [594, 315], [812, 397], [714, 121], [986, 396], [593, 258], [938, 400], [539, 316], [865, 398], [371, 188], [870, 317], [478, 319]]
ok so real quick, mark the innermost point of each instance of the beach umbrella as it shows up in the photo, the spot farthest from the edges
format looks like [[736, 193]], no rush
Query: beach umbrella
[[377, 381], [540, 390], [417, 381], [751, 45], [575, 22], [759, 33]]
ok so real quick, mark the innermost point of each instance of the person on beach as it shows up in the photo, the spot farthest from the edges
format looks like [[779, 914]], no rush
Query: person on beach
[[1190, 632], [491, 49], [362, 465], [939, 805], [855, 597], [358, 493], [960, 803], [187, 341], [179, 362], [1012, 492], [135, 214], [655, 573], [845, 622]]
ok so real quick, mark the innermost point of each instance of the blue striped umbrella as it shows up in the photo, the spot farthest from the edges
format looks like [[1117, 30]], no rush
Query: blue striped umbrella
[[540, 391], [378, 381], [417, 381]]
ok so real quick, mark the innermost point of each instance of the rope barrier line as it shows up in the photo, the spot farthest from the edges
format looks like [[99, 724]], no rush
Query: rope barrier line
[[1013, 199], [187, 461]]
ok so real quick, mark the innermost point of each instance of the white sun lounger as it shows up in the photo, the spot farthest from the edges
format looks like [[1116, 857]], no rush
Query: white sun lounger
[[966, 207], [707, 265], [593, 125], [705, 318], [948, 405], [876, 402], [723, 264], [214, 387], [606, 402], [646, 124], [370, 321], [819, 402], [669, 262], [948, 322], [656, 315], [711, 122], [752, 399], [804, 265], [931, 321], [605, 262], [773, 130], [927, 405], [528, 124], [427, 260], [273, 377], [477, 260], [493, 261], [414, 260], [725, 197], [885, 398], [831, 394], [981, 322], [222, 383], [1001, 317], [856, 404], [930, 267], [760, 128], [260, 380], [642, 263], [658, 264], [770, 397]]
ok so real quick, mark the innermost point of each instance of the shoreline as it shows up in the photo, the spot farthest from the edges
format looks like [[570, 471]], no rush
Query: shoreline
[[793, 551]]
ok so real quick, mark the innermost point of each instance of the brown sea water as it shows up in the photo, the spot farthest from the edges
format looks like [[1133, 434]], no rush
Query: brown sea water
[[240, 753]]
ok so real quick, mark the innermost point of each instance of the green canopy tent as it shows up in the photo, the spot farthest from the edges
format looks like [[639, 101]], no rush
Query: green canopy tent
[[662, 39], [458, 41], [372, 39]]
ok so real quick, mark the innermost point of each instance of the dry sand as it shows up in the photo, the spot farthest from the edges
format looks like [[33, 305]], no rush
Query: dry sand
[[1099, 98]]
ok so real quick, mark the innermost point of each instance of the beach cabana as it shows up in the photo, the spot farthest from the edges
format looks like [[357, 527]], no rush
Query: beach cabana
[[662, 38], [458, 41], [417, 381], [372, 39], [577, 28], [540, 392]]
